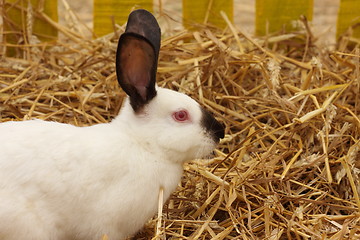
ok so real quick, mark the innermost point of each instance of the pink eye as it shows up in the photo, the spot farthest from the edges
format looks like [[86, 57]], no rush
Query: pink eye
[[181, 116]]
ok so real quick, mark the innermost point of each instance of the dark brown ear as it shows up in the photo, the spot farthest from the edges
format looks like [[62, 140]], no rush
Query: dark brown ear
[[137, 56]]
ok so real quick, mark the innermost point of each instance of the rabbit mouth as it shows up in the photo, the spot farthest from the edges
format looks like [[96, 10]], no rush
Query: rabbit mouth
[[207, 156], [206, 149]]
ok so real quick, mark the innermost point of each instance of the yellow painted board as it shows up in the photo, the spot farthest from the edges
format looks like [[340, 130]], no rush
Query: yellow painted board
[[108, 11], [207, 11], [276, 15], [349, 16], [16, 22]]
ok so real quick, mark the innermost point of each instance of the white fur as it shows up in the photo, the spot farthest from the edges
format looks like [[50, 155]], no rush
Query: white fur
[[58, 181]]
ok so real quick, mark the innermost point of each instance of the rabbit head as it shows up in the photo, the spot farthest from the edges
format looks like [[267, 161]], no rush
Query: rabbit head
[[162, 118]]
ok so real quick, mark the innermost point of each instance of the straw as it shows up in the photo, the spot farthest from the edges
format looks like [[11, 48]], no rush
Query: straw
[[288, 167]]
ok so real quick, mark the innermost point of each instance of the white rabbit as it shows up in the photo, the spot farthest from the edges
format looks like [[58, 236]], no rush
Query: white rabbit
[[59, 181]]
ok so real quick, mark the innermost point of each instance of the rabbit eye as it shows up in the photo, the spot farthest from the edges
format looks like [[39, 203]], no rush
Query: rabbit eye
[[181, 116]]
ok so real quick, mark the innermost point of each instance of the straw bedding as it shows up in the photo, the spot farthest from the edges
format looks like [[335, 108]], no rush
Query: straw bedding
[[289, 165]]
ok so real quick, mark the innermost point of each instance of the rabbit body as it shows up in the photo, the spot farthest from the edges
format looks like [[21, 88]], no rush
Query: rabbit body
[[84, 188], [65, 182], [58, 181]]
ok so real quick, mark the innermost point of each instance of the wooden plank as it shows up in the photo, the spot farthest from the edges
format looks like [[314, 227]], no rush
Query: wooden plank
[[349, 17], [16, 17], [276, 15], [206, 11], [108, 11]]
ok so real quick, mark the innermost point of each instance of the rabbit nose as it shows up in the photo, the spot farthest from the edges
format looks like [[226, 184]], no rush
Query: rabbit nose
[[219, 130], [212, 126]]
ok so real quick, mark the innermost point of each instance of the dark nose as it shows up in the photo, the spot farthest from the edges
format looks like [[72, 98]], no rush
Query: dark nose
[[212, 126]]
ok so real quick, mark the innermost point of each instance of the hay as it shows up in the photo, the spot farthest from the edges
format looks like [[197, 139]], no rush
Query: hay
[[289, 165]]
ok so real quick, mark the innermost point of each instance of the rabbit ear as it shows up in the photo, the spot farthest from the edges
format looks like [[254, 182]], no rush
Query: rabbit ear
[[137, 56]]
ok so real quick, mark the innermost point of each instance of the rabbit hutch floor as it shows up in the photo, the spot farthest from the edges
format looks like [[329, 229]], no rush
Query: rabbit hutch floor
[[288, 167]]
